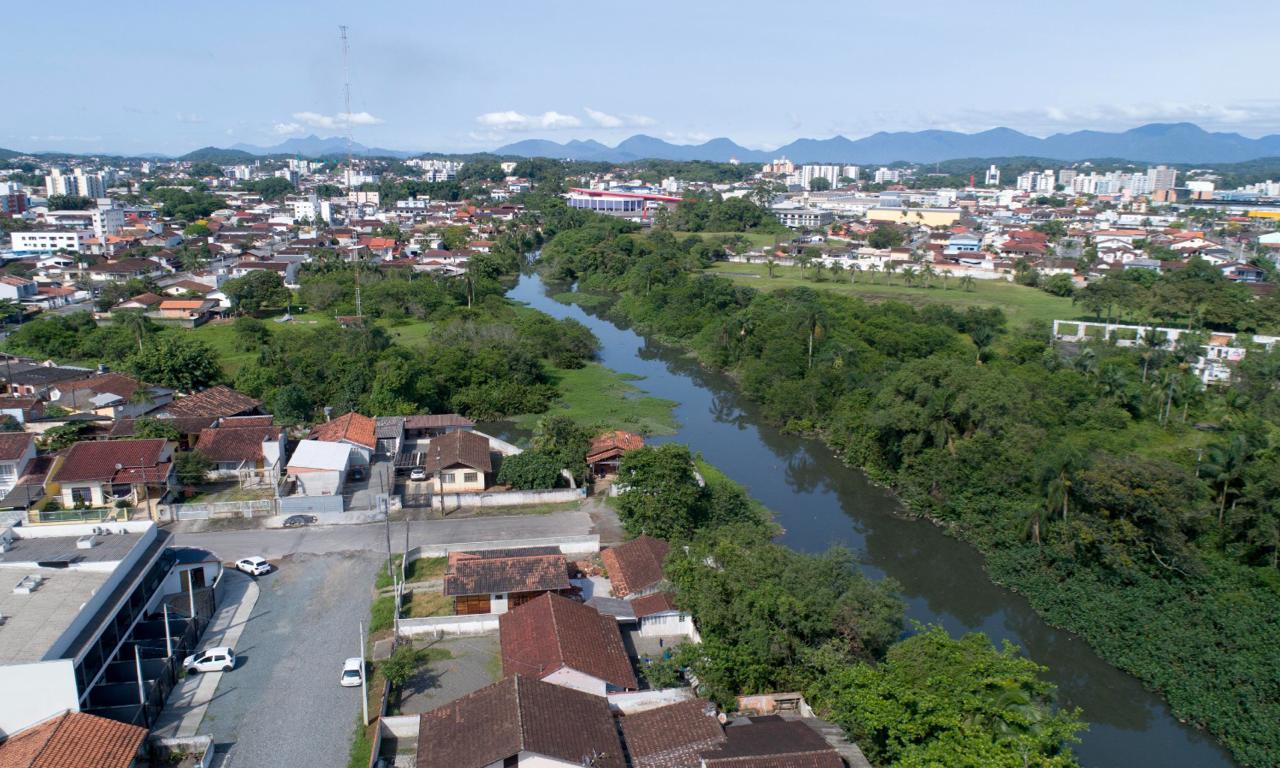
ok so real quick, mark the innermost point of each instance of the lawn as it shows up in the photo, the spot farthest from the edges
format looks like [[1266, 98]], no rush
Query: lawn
[[421, 603], [598, 396], [1020, 303]]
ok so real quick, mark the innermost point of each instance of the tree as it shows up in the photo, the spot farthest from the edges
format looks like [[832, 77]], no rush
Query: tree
[[197, 229], [192, 468], [819, 184], [1224, 465], [565, 441], [146, 429], [63, 435], [885, 236], [770, 263], [529, 470], [402, 665], [250, 332], [257, 290], [180, 362], [967, 282], [662, 497]]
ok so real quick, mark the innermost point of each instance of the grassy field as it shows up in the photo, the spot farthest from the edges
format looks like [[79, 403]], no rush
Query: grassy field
[[1019, 302], [595, 395], [757, 239]]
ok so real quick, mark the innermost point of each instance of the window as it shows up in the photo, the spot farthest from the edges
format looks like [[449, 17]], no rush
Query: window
[[82, 495], [446, 477], [470, 477]]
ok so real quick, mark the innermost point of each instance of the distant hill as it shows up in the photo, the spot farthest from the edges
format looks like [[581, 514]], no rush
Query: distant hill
[[1156, 142], [314, 146], [7, 154], [218, 155]]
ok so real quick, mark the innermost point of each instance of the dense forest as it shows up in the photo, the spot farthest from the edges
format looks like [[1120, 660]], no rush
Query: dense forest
[[1128, 502]]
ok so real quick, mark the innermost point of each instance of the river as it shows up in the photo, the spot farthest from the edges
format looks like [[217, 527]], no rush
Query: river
[[820, 502]]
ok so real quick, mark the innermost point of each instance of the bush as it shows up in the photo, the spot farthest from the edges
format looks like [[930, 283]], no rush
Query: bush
[[531, 470]]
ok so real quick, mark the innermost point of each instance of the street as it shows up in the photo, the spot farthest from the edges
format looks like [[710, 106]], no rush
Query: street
[[282, 705], [372, 537]]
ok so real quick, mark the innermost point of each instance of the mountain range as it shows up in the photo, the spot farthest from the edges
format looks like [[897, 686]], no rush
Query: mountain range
[[314, 146], [1156, 142]]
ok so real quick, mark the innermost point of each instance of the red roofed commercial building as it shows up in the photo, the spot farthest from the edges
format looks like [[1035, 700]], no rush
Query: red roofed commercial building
[[564, 642], [100, 473]]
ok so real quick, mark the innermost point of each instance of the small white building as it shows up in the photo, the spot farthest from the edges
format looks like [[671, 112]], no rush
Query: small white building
[[319, 468]]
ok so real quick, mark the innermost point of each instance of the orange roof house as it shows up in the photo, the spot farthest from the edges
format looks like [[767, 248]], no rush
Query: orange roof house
[[606, 451]]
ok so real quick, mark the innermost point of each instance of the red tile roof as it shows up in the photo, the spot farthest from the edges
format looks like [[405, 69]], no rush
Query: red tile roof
[[671, 736], [437, 421], [635, 565], [14, 444], [73, 740], [97, 460], [519, 714], [460, 447], [351, 427], [771, 742], [235, 443], [214, 401], [612, 444], [112, 383], [551, 632], [658, 602], [478, 573]]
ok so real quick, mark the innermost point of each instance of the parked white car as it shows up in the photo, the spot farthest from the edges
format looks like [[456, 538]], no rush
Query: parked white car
[[254, 566], [219, 659], [352, 673], [418, 474]]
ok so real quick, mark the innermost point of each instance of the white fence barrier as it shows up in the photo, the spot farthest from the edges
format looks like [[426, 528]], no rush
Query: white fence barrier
[[435, 626], [584, 544], [447, 501], [221, 509]]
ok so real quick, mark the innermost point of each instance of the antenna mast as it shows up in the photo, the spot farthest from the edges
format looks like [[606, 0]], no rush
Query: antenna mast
[[346, 93]]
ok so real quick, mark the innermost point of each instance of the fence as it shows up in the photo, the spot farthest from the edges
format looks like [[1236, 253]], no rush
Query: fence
[[583, 544], [80, 515], [297, 505], [473, 624], [222, 510], [447, 501]]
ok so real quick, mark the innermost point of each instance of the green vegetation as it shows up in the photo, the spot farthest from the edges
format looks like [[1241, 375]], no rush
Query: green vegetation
[[1020, 303], [361, 747], [1129, 503], [596, 396], [382, 614]]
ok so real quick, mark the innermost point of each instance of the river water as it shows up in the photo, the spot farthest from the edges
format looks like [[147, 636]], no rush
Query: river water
[[821, 502]]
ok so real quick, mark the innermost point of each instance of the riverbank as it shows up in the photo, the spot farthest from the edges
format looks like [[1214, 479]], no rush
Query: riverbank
[[820, 502]]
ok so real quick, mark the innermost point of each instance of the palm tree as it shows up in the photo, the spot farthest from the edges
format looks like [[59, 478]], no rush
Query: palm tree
[[967, 282], [889, 269], [1057, 476], [1224, 465], [134, 321], [946, 275], [769, 264], [854, 269], [1151, 344], [927, 273], [909, 275], [837, 271]]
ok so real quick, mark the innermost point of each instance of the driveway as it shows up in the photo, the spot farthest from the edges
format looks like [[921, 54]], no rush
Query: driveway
[[326, 539], [282, 705], [474, 662]]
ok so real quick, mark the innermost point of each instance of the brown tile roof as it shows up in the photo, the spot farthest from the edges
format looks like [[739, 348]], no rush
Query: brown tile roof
[[655, 603], [437, 421], [235, 443], [97, 460], [552, 632], [635, 565], [612, 444], [73, 740], [470, 575], [14, 444], [247, 421], [214, 401], [145, 299], [771, 742], [671, 736], [466, 448], [113, 383], [351, 427], [187, 425], [519, 714]]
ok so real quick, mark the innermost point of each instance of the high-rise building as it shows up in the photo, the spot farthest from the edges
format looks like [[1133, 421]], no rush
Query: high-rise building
[[808, 173], [1067, 177], [13, 198], [993, 177], [1160, 178], [888, 176], [75, 184]]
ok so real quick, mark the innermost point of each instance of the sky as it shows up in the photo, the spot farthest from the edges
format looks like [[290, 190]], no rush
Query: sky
[[439, 75]]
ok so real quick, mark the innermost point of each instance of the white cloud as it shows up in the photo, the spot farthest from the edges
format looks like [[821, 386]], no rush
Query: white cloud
[[189, 117], [606, 120], [284, 129], [333, 122], [510, 120]]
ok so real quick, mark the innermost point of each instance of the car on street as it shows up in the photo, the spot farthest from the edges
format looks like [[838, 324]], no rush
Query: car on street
[[356, 474], [297, 521], [254, 566], [418, 473], [219, 659], [352, 673]]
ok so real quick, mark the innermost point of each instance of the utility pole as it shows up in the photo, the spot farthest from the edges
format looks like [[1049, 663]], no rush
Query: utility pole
[[346, 96], [168, 640], [364, 692]]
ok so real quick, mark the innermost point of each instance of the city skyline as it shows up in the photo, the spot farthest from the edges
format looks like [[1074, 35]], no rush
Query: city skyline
[[460, 79]]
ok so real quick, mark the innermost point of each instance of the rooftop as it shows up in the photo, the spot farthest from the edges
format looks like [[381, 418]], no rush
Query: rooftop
[[635, 565], [350, 427], [551, 632], [466, 448], [492, 575], [73, 740]]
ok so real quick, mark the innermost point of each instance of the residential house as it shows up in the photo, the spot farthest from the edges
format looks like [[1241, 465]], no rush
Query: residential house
[[355, 430], [497, 580], [125, 269], [318, 468], [765, 742], [143, 301], [562, 641], [187, 312], [673, 736], [20, 409], [213, 402], [688, 734], [100, 473], [17, 449], [425, 426], [16, 288], [605, 453], [75, 740], [245, 448], [1241, 272], [38, 380], [635, 568], [188, 428], [520, 721], [459, 462], [109, 394]]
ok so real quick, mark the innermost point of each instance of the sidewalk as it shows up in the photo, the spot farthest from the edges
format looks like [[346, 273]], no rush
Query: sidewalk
[[237, 594]]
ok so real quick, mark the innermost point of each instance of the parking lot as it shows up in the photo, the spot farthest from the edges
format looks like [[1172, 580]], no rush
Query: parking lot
[[282, 705]]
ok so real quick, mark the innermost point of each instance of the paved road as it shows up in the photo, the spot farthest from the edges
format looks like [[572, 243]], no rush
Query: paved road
[[282, 706], [275, 543]]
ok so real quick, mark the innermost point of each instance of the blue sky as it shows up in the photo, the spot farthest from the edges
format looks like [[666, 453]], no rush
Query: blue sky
[[452, 76]]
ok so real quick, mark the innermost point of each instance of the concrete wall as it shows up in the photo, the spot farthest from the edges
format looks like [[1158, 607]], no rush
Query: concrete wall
[[35, 692], [631, 702], [507, 498], [401, 727], [318, 482], [294, 505], [476, 624], [668, 624], [584, 544]]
